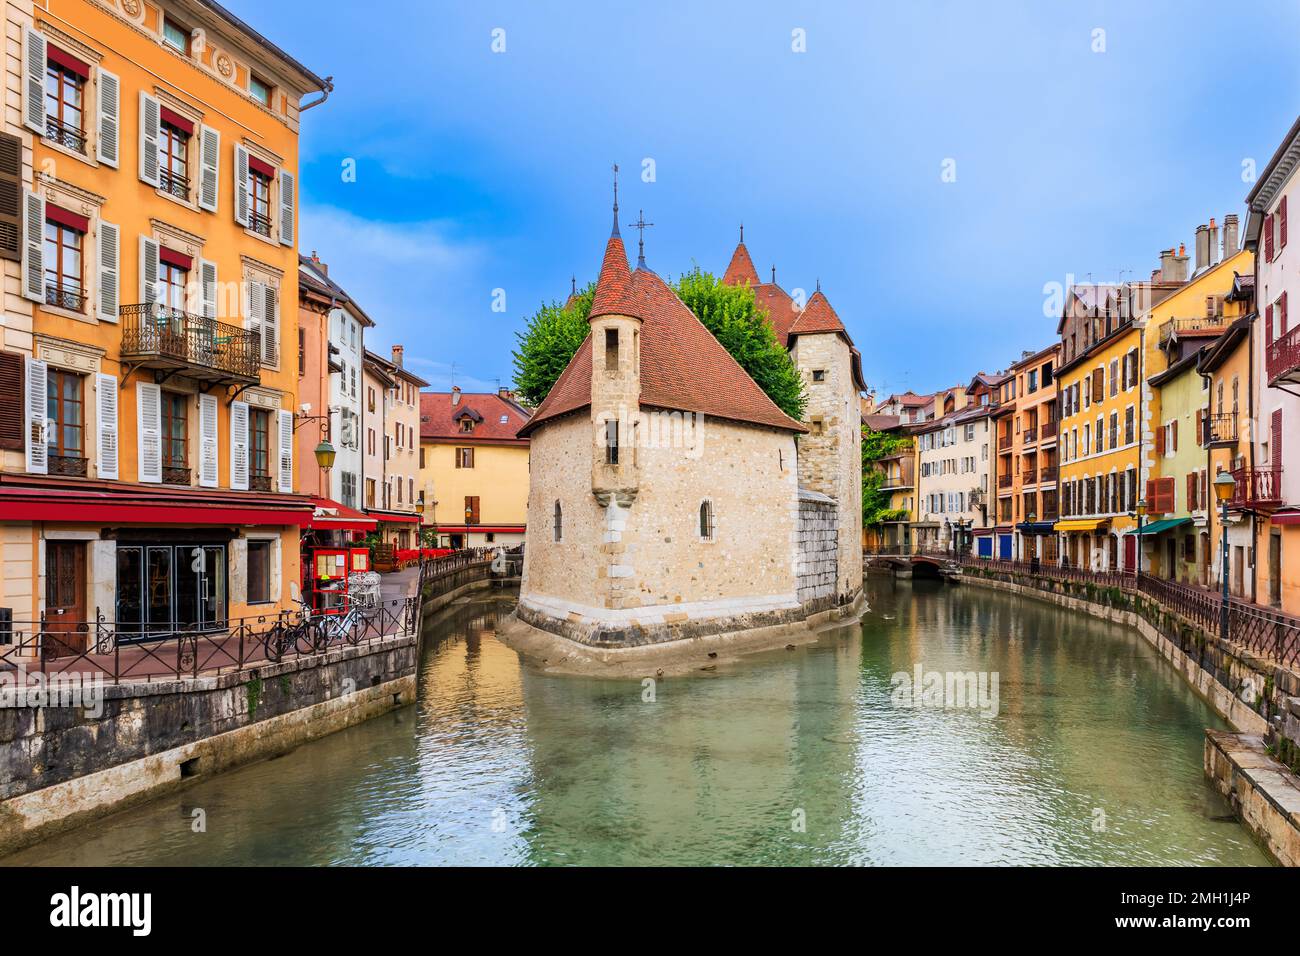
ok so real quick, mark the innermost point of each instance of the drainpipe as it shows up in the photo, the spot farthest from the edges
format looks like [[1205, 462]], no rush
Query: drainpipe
[[1250, 409], [325, 94]]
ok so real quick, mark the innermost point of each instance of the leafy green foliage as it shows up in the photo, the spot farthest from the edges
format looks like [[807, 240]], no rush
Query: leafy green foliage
[[876, 508], [549, 340], [553, 334]]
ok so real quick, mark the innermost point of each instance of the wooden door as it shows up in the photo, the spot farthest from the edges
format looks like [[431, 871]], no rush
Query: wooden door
[[66, 631]]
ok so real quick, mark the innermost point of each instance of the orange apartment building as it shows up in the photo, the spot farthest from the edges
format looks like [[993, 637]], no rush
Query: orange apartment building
[[148, 371], [1026, 468]]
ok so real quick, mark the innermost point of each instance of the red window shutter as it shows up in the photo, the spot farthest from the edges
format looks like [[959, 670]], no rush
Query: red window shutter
[[1173, 434], [1200, 426], [1151, 494], [12, 370], [1268, 238], [1281, 319], [1191, 491], [1165, 495], [1281, 238], [1276, 451], [1268, 326], [1160, 440]]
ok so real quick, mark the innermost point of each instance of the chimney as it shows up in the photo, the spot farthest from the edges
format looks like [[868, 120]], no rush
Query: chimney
[[455, 395], [1214, 242], [397, 355], [1166, 265], [1180, 264], [506, 394], [1202, 248], [1230, 247], [321, 267]]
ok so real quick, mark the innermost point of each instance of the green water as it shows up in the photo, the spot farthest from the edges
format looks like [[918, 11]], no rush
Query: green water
[[794, 757]]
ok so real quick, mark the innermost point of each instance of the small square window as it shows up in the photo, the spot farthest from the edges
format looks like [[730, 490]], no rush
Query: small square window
[[819, 375], [176, 36], [260, 89]]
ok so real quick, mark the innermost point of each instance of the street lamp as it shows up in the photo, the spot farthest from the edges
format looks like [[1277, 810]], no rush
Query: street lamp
[[325, 454], [1030, 518], [1224, 486], [1141, 513], [419, 504]]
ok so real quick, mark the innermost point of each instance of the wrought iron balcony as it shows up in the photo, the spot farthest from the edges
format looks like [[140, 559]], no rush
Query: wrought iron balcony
[[1048, 430], [170, 340], [1047, 473], [1282, 358], [174, 184], [259, 224], [1029, 477], [260, 483], [69, 137], [175, 475], [68, 466], [1031, 435], [1257, 489], [1004, 481], [1004, 442], [63, 297], [1200, 323], [1221, 429]]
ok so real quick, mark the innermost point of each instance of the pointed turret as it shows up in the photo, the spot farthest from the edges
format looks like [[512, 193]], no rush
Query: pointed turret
[[741, 269], [817, 316]]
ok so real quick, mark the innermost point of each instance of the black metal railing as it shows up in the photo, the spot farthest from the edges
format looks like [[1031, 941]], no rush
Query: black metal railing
[[175, 475], [63, 297], [124, 652], [259, 482], [67, 466], [152, 331], [174, 184], [259, 224], [66, 136]]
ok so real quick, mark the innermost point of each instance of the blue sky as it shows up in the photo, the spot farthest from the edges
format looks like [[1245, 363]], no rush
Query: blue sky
[[479, 171]]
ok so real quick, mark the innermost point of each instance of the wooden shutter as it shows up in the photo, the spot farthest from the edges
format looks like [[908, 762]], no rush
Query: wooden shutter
[[1281, 319], [37, 390], [1268, 326], [1275, 451], [208, 447], [33, 258], [150, 133], [1268, 238], [286, 207], [209, 168], [1202, 436], [239, 446], [1160, 440], [1098, 385], [12, 372], [35, 55], [271, 325], [148, 413], [108, 89], [1151, 494], [241, 185], [471, 506], [1281, 226], [1173, 435], [11, 197], [109, 249], [106, 429], [286, 451], [208, 288], [1192, 479], [1166, 492], [149, 270]]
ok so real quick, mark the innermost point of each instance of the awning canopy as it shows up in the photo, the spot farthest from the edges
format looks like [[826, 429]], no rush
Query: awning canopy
[[1288, 516], [1080, 524], [393, 517], [329, 515], [1167, 524], [1036, 527]]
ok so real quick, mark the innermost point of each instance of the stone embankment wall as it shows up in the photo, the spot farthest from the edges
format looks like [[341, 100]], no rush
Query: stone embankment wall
[[61, 766], [817, 536]]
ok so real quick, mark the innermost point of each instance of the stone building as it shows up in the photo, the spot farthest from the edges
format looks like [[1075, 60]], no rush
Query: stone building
[[669, 496]]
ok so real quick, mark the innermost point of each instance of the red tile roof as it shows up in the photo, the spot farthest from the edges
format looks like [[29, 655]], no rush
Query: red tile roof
[[741, 268], [817, 316], [683, 367], [440, 419], [614, 287]]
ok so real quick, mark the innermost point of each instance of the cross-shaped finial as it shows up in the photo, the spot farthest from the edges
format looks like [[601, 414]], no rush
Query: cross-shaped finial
[[742, 233], [640, 226]]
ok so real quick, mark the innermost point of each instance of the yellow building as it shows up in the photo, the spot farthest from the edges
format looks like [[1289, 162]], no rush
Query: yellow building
[[1102, 429], [151, 477], [473, 467], [1176, 462]]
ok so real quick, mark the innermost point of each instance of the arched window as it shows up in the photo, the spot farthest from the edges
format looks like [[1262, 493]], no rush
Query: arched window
[[706, 520], [559, 522]]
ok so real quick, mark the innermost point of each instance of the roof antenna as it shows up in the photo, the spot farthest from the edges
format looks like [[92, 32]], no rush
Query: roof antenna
[[640, 225], [615, 232]]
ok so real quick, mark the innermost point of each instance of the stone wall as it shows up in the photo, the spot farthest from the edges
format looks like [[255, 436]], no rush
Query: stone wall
[[60, 766], [818, 550]]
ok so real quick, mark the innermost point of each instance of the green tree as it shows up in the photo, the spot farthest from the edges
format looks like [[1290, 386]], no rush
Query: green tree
[[547, 343], [554, 333], [875, 502]]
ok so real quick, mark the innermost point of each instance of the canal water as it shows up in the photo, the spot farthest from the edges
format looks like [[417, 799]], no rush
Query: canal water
[[812, 755]]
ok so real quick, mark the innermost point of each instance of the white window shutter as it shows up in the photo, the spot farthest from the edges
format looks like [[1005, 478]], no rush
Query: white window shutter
[[241, 185], [35, 54], [255, 309], [106, 425], [208, 288], [271, 325], [149, 270], [208, 445], [109, 96], [148, 410], [286, 207], [239, 446], [209, 167], [34, 416], [286, 451], [150, 131], [110, 270], [33, 246]]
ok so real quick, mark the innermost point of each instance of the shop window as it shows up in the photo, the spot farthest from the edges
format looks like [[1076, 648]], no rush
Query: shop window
[[259, 572]]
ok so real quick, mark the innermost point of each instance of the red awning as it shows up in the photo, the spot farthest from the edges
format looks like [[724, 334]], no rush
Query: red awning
[[68, 61], [332, 516], [135, 504], [393, 517], [481, 528], [174, 258], [66, 217], [172, 118], [258, 166], [1286, 517]]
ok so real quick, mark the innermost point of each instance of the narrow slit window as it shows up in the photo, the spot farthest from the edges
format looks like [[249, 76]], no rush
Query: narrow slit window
[[611, 350], [706, 520], [611, 442], [559, 522]]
